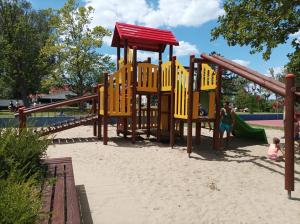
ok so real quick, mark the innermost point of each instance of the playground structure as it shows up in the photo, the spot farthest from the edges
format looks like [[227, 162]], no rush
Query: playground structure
[[174, 94]]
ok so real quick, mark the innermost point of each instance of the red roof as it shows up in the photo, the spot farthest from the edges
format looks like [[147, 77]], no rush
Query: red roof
[[144, 38]]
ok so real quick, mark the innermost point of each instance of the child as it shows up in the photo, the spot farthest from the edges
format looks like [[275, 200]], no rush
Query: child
[[274, 149]]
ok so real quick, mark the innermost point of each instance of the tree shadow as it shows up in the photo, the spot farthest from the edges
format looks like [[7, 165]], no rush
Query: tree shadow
[[85, 211]]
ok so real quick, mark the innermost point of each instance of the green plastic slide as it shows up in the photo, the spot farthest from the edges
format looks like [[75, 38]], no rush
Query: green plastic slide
[[244, 130]]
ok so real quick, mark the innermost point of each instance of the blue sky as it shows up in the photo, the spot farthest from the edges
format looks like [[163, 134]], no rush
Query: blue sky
[[190, 23]]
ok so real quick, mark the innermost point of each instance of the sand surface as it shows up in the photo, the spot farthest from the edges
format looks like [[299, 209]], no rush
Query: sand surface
[[151, 183]]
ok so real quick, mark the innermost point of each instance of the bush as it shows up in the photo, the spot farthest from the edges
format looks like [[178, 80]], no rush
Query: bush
[[20, 203], [21, 153], [21, 175]]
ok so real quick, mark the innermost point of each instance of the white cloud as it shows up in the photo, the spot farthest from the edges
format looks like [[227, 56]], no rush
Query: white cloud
[[107, 40], [297, 36], [144, 55], [185, 48], [242, 62], [170, 13], [277, 70], [113, 57]]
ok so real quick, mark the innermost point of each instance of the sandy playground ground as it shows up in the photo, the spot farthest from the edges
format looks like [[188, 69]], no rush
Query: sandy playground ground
[[151, 183]]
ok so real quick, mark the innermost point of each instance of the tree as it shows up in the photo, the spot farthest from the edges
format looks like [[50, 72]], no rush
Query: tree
[[262, 25], [22, 35], [75, 47]]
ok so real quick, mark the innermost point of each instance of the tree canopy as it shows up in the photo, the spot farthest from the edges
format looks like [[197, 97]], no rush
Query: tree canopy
[[23, 33], [262, 25], [75, 46]]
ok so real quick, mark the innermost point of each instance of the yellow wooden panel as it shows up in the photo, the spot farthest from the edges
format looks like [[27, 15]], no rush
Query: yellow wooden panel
[[166, 76], [110, 93], [123, 93], [117, 109], [181, 77], [101, 100], [208, 81], [147, 77], [212, 105]]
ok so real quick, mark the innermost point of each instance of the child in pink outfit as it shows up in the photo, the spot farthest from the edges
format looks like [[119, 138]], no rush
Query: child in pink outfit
[[274, 149]]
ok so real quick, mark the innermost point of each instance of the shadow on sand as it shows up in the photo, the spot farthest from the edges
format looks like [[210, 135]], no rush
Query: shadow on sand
[[85, 212]]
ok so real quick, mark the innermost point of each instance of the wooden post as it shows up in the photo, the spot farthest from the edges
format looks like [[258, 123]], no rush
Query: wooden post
[[98, 114], [148, 103], [172, 123], [140, 111], [22, 119], [170, 52], [198, 124], [134, 76], [158, 135], [125, 62], [95, 88], [118, 67], [118, 56], [105, 107], [216, 134], [289, 133], [190, 107], [148, 114]]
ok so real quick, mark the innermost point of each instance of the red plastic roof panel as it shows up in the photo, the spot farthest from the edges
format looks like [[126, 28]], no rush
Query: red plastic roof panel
[[144, 38]]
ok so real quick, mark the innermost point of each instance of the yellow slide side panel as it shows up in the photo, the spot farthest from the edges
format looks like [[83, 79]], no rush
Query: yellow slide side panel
[[147, 77], [166, 76], [212, 104], [164, 113], [208, 78], [101, 100]]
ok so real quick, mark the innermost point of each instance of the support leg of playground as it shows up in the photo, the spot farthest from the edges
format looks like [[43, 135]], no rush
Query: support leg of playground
[[289, 134]]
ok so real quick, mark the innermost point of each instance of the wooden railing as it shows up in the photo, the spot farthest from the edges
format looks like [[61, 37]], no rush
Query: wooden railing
[[24, 112]]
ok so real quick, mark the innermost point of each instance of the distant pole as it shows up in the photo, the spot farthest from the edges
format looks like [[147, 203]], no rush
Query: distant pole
[[289, 133]]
